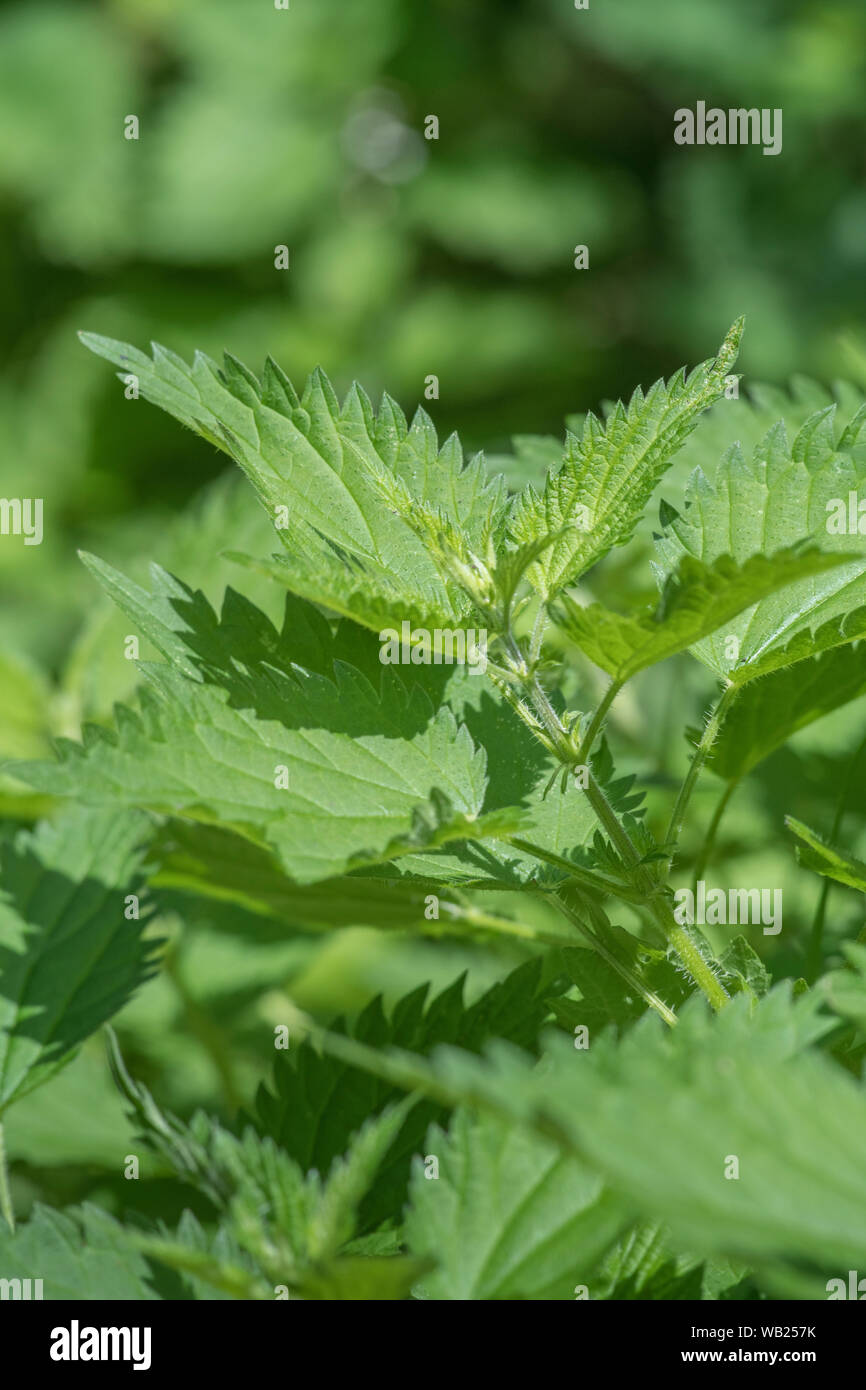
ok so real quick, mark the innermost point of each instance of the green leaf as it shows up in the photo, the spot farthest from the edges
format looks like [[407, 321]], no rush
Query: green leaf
[[322, 461], [605, 997], [69, 957], [379, 770], [696, 600], [81, 1253], [660, 1114], [24, 705], [643, 1265], [350, 1177], [608, 475], [286, 1225], [207, 860], [815, 853], [555, 825], [767, 712], [342, 583], [778, 498], [234, 707], [25, 726], [318, 1102], [75, 1119], [210, 1262], [363, 1278], [509, 1215], [845, 990], [743, 970]]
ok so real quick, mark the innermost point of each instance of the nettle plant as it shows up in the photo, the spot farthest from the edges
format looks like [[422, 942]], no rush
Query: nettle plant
[[627, 1113]]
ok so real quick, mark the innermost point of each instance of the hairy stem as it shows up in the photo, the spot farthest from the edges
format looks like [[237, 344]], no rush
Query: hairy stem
[[5, 1193], [646, 884], [708, 738], [701, 972], [537, 633], [587, 878], [599, 717], [816, 936], [500, 926], [631, 978]]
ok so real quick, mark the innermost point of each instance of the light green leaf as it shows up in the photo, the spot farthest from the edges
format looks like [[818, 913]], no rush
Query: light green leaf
[[659, 1113], [316, 466], [815, 853], [767, 712], [78, 1254], [287, 1226], [383, 773], [358, 764], [743, 969], [608, 475], [779, 498], [333, 1222], [234, 706], [558, 829], [696, 600], [25, 726], [211, 1263], [644, 1266], [845, 990], [341, 583], [509, 1216], [76, 1118]]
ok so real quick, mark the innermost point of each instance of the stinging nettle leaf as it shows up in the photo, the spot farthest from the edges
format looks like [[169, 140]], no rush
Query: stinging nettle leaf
[[289, 1224], [815, 853], [318, 467], [509, 1216], [451, 830], [344, 793], [778, 498], [696, 600], [82, 1253], [609, 473], [322, 769], [318, 1102], [845, 990], [769, 711], [659, 1113], [69, 955]]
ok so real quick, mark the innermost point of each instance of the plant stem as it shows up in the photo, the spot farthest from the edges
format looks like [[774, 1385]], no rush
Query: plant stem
[[631, 978], [708, 738], [502, 926], [5, 1193], [566, 754], [702, 973], [710, 838], [598, 718], [816, 936], [644, 881], [537, 633], [587, 878]]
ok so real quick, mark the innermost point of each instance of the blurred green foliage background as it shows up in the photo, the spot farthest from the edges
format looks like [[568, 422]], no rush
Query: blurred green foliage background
[[409, 257], [304, 127]]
